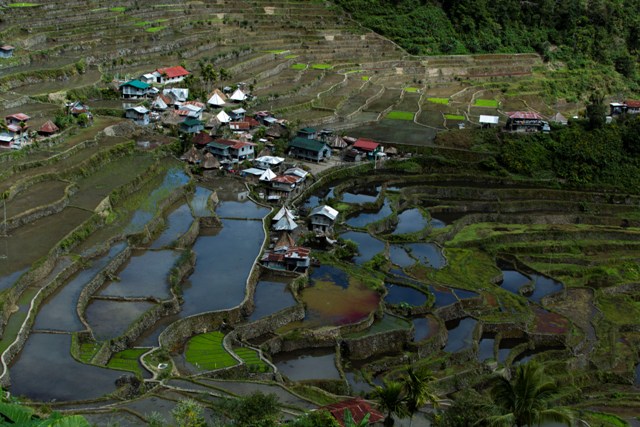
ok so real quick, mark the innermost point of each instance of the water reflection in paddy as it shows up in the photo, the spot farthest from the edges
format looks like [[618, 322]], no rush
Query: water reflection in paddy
[[178, 222], [334, 299], [428, 254], [425, 327], [400, 257], [200, 202], [366, 218], [58, 312], [399, 294], [310, 365], [46, 371], [223, 263], [368, 246], [110, 319], [485, 348], [437, 223], [443, 296], [410, 221], [513, 280], [7, 281], [460, 334], [505, 347], [543, 286], [144, 275], [246, 209], [364, 195], [269, 298]]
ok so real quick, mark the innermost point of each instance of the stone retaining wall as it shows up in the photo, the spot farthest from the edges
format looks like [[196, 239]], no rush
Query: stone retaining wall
[[38, 212], [372, 345]]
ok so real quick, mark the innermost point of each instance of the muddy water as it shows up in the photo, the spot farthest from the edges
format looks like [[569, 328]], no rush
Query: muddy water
[[335, 299], [144, 275], [460, 334], [411, 221], [223, 263], [110, 319], [178, 222], [46, 371], [404, 294], [58, 312], [310, 365], [271, 297], [364, 219], [368, 246], [40, 194]]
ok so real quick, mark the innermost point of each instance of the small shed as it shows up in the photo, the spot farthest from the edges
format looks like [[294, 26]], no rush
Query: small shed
[[488, 121], [322, 218], [210, 162], [6, 51], [48, 128], [217, 99], [238, 96], [140, 115]]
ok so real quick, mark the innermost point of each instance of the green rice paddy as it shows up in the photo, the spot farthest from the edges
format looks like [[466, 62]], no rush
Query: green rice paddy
[[400, 115], [492, 103], [411, 89], [88, 350], [251, 358], [444, 101], [127, 360], [290, 56], [321, 66], [155, 29], [117, 9], [277, 51], [206, 352], [454, 117], [23, 5], [365, 78], [299, 67]]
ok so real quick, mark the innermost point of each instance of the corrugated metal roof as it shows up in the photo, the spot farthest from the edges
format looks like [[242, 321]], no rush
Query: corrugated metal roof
[[307, 144], [524, 115]]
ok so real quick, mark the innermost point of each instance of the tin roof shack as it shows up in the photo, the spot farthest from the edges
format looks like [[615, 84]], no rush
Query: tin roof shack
[[322, 218], [524, 121], [191, 125], [140, 115], [48, 128], [488, 121], [284, 220], [269, 162], [6, 51], [309, 149], [294, 258], [368, 147]]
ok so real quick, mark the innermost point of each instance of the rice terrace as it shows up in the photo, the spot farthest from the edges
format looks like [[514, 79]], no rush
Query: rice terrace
[[258, 213]]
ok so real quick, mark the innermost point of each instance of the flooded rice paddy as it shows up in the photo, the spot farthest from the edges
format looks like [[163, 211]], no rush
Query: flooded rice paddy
[[308, 365]]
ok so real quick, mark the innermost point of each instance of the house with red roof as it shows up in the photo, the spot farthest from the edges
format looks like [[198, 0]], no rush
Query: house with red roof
[[16, 132], [359, 409], [48, 128], [524, 121], [633, 107], [229, 151], [201, 139], [170, 75], [367, 147]]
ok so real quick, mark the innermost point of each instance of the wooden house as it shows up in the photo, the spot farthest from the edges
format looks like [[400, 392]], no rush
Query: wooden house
[[488, 121], [524, 121], [191, 125], [48, 128], [309, 149], [170, 75], [238, 96], [201, 139], [633, 107], [140, 115], [322, 218], [6, 51], [296, 258], [134, 89], [309, 133], [191, 109], [176, 95], [368, 147], [76, 108]]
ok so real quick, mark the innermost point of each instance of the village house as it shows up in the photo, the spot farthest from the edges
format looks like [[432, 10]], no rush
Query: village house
[[6, 51], [176, 95], [223, 117], [322, 218], [358, 408], [626, 107], [237, 114], [524, 121], [217, 99], [76, 108], [48, 128], [134, 89], [294, 258], [284, 220], [368, 147], [309, 149], [300, 174], [160, 103], [231, 151], [488, 121], [268, 162], [140, 115], [238, 96], [201, 139], [170, 75], [15, 133], [281, 187], [191, 125], [308, 133], [192, 109]]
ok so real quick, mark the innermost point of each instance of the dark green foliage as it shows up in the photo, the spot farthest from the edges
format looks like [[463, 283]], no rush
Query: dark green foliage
[[256, 410], [316, 419], [602, 30]]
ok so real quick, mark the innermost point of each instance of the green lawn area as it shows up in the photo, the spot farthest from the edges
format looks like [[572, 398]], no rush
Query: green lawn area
[[88, 350], [206, 352], [127, 360], [444, 101], [492, 103], [155, 29], [454, 117], [117, 9], [411, 89], [400, 115], [321, 66], [299, 66], [23, 5], [251, 358]]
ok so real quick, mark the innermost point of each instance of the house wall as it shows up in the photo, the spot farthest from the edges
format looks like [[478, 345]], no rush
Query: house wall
[[6, 53]]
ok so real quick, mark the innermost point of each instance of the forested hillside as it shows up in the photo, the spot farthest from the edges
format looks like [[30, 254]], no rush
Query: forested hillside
[[603, 30]]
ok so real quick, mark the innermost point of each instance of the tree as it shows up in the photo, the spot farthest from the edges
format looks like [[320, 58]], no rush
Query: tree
[[391, 400], [418, 390], [596, 111], [209, 75], [350, 422], [527, 399], [318, 418], [255, 410], [189, 413]]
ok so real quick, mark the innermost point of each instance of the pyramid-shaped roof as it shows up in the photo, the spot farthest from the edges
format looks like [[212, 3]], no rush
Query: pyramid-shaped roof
[[286, 223], [210, 162], [159, 103], [284, 211], [284, 242], [49, 127], [223, 117], [238, 95], [268, 175], [217, 98]]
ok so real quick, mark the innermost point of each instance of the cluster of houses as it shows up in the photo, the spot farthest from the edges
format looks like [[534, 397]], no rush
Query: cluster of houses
[[625, 107], [283, 253]]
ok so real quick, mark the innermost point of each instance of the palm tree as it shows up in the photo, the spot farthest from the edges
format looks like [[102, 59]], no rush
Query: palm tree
[[391, 400], [418, 390], [527, 399]]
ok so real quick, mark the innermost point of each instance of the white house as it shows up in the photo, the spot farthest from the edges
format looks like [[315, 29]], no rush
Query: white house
[[322, 218], [140, 115], [170, 75], [268, 162], [217, 99], [238, 96]]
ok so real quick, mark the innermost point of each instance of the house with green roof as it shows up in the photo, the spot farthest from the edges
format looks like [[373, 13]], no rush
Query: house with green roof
[[191, 125], [309, 149], [134, 89]]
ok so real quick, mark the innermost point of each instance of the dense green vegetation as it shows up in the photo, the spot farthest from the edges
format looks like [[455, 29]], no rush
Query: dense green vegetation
[[606, 31]]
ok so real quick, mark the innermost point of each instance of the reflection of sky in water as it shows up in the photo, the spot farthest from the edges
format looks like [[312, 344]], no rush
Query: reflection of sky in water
[[428, 254], [365, 218], [368, 246], [199, 202], [444, 296], [460, 335], [269, 298], [399, 256], [308, 366], [177, 223], [399, 294], [410, 221], [485, 349], [424, 328]]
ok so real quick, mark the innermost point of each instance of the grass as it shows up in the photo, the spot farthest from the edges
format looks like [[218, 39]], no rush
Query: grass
[[277, 51], [299, 67], [454, 117], [155, 29], [251, 358], [400, 115], [365, 78], [443, 101], [206, 352], [88, 350], [321, 66], [492, 103], [23, 5], [119, 9], [292, 56], [142, 23], [127, 360], [411, 89]]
